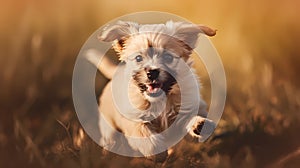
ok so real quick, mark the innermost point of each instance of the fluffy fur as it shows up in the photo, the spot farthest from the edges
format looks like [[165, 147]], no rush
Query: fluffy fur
[[152, 55]]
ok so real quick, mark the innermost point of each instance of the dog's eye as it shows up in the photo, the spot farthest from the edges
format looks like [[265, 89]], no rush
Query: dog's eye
[[139, 58], [168, 58]]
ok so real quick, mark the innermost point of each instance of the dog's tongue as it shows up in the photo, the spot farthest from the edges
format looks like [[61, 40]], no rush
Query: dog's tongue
[[152, 89]]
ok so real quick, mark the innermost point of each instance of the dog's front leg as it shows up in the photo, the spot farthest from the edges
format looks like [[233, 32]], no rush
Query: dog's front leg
[[142, 139], [199, 126]]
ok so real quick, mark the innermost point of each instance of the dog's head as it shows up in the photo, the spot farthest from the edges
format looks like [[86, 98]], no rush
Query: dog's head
[[152, 52]]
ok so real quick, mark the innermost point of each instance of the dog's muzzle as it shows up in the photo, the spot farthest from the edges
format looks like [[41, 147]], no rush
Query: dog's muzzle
[[154, 86]]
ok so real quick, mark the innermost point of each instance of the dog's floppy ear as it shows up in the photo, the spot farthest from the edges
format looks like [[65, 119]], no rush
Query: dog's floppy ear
[[188, 33], [207, 30], [118, 33]]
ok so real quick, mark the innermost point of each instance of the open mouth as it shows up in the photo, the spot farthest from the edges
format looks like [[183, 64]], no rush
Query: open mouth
[[154, 89]]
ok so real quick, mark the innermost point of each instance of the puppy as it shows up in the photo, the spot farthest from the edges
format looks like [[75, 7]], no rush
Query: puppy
[[146, 87]]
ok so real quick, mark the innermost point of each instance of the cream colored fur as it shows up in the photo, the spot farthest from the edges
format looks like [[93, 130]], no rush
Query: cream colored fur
[[129, 38]]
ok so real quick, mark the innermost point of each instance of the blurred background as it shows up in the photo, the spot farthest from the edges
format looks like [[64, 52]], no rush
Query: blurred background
[[258, 42]]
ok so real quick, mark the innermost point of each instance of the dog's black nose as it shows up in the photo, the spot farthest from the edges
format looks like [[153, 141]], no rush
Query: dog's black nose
[[153, 74]]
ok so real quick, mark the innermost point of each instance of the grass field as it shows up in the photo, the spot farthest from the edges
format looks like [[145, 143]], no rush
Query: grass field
[[258, 42]]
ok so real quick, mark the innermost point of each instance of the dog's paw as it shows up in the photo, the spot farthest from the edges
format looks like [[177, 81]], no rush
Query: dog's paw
[[201, 128]]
